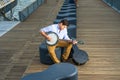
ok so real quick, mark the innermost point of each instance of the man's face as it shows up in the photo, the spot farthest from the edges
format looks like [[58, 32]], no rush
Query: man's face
[[62, 26]]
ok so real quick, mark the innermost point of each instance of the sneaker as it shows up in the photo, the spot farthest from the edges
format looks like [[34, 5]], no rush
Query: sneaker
[[63, 60], [77, 6]]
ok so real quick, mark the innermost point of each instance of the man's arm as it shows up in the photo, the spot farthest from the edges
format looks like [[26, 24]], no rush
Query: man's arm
[[45, 35]]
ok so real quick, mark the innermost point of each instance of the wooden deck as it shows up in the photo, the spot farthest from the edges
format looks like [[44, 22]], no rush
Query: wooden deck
[[97, 24]]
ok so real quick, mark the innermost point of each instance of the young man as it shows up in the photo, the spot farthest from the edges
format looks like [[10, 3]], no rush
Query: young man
[[61, 30], [76, 3]]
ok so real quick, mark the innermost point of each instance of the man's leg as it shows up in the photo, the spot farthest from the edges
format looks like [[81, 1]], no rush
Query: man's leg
[[52, 53], [68, 47]]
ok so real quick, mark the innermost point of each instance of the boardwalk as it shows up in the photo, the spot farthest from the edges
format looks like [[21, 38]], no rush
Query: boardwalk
[[98, 25]]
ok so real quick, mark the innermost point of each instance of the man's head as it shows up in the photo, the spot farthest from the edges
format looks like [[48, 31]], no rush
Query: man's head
[[63, 24]]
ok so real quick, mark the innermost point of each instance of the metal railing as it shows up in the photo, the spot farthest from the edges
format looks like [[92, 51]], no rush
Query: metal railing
[[115, 4], [6, 6], [29, 9]]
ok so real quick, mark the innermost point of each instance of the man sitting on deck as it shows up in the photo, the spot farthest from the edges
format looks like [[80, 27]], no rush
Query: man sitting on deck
[[61, 30]]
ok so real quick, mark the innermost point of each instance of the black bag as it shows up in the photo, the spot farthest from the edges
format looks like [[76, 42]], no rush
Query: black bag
[[79, 57]]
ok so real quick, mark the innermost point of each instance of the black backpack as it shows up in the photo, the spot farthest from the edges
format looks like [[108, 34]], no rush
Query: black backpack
[[79, 56]]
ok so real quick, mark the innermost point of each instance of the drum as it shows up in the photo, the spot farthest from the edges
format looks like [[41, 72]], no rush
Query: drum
[[54, 40]]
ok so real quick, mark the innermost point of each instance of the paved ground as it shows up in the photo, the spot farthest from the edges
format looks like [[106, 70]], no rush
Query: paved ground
[[97, 24], [6, 26]]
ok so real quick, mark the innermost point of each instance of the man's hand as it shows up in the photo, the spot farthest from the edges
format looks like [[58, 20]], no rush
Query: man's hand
[[45, 35], [49, 38], [74, 42]]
